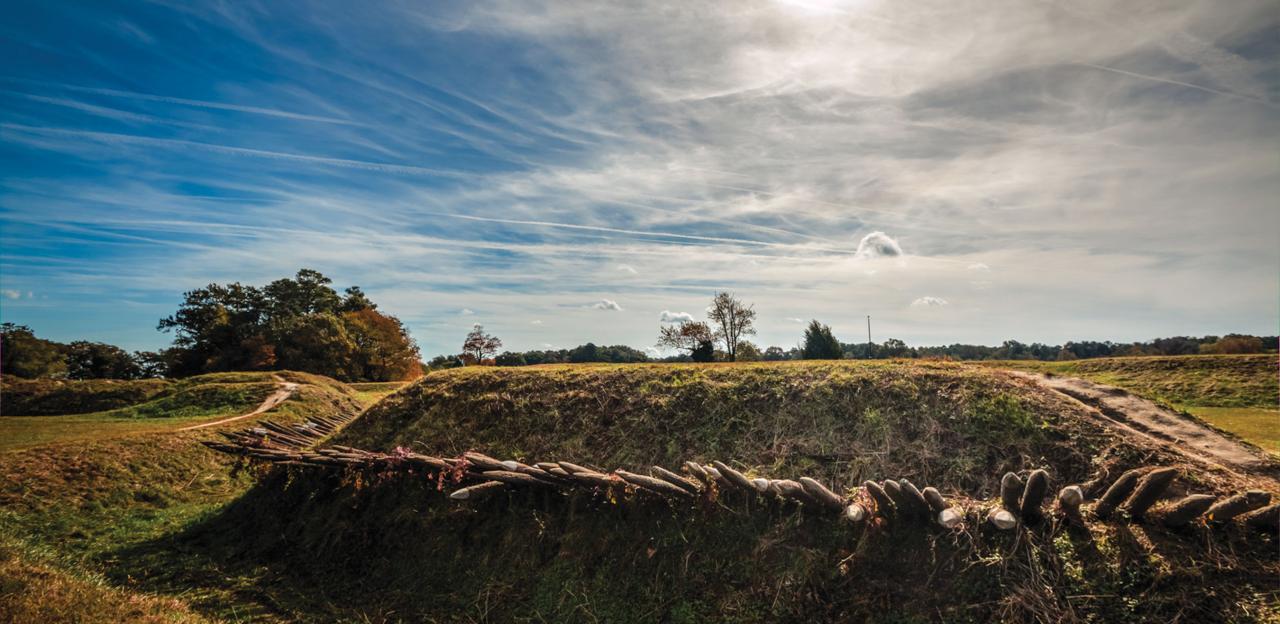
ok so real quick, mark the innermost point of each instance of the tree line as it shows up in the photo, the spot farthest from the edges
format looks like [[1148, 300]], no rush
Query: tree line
[[302, 323], [298, 323]]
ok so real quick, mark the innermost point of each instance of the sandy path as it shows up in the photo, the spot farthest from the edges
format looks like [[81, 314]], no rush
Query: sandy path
[[1156, 422], [279, 396]]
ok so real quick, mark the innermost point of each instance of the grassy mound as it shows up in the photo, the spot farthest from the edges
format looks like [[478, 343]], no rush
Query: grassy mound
[[47, 397], [370, 547], [1180, 381], [69, 507]]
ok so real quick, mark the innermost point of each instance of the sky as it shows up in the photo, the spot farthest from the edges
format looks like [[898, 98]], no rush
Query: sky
[[567, 172]]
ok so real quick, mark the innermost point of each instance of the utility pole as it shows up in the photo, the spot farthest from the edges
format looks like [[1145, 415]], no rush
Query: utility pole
[[868, 336]]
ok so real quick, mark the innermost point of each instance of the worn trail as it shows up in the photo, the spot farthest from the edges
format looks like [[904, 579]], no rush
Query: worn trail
[[1170, 428], [286, 390]]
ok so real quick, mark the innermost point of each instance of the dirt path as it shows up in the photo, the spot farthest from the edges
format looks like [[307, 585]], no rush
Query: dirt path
[[1156, 422], [279, 396]]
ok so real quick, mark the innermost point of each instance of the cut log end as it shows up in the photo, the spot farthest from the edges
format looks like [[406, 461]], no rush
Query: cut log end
[[1002, 519], [950, 518]]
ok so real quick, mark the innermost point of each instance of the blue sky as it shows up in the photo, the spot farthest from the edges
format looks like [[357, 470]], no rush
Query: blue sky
[[568, 172]]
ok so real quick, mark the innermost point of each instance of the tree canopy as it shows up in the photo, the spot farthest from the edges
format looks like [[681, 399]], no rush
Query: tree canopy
[[297, 324]]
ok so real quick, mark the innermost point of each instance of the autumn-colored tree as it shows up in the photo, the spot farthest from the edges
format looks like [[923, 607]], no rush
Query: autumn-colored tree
[[692, 336], [480, 345], [383, 349], [733, 320]]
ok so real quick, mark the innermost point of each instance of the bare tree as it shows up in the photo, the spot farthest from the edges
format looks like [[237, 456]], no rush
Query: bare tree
[[479, 344], [733, 320], [687, 336]]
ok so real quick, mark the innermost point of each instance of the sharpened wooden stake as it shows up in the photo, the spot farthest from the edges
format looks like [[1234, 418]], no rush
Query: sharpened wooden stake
[[1148, 491], [653, 485], [1224, 511], [1117, 493], [476, 492], [515, 478], [786, 488], [1184, 511], [854, 513], [1069, 500], [676, 480], [917, 506], [761, 485], [1033, 494], [1011, 492], [1266, 519], [950, 518], [820, 493], [885, 507], [733, 476], [932, 496], [1002, 519]]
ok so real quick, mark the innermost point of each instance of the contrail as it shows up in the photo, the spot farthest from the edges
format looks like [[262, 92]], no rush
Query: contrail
[[1181, 84], [271, 112]]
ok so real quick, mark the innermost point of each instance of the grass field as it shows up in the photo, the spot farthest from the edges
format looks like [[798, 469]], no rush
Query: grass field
[[1236, 393]]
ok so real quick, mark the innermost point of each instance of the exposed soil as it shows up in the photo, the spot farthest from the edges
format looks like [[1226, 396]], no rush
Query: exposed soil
[[1175, 430]]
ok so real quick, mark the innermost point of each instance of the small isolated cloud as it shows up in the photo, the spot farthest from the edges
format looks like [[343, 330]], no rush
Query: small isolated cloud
[[607, 304], [978, 266], [626, 268], [652, 352], [878, 245], [929, 302], [668, 316], [536, 322], [795, 320], [12, 294], [466, 312]]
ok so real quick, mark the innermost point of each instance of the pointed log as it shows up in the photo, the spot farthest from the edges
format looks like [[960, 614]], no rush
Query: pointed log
[[1002, 519], [657, 486], [854, 513], [1033, 494], [1011, 492], [761, 485], [932, 496], [572, 468], [1069, 500], [950, 518], [820, 493], [1148, 490], [885, 506], [1184, 511], [1266, 519], [515, 478], [476, 492], [788, 489], [894, 491], [1117, 493], [917, 506], [676, 480], [733, 476], [1224, 511]]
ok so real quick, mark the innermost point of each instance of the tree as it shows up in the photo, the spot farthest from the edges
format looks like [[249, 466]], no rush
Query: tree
[[383, 349], [820, 344], [748, 352], [687, 336], [704, 352], [24, 355], [775, 354], [97, 360], [733, 320], [480, 345]]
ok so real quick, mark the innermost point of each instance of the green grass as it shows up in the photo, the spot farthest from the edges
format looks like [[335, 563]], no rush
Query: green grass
[[70, 499], [1236, 393], [371, 392], [1256, 425], [41, 397]]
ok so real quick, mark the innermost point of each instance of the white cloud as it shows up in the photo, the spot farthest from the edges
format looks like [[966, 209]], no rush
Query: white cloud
[[607, 304], [929, 302], [466, 312], [793, 319], [878, 245], [536, 322], [978, 266], [668, 316], [626, 268], [12, 294]]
